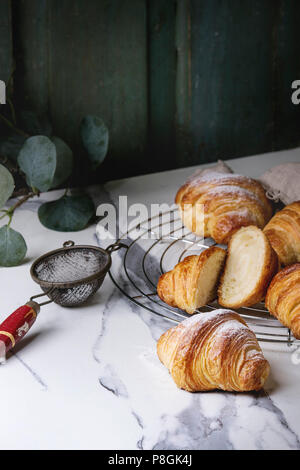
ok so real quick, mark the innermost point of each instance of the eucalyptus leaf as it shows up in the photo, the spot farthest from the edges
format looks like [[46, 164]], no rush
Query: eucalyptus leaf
[[67, 214], [64, 162], [37, 159], [95, 138], [12, 247], [7, 185]]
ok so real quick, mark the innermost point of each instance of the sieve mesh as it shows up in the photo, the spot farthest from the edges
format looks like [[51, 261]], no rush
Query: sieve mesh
[[70, 266], [70, 276], [73, 296]]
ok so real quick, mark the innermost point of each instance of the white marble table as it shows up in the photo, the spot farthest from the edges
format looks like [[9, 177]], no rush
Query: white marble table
[[88, 378]]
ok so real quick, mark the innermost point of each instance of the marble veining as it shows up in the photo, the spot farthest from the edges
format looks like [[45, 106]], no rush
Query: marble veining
[[191, 421], [30, 370], [89, 378]]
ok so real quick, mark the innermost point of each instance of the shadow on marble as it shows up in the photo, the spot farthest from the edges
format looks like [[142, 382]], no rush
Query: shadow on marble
[[33, 338]]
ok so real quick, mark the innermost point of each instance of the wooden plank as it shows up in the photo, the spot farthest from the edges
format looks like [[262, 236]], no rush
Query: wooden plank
[[230, 78], [286, 69], [5, 40], [31, 46], [97, 65], [184, 154], [218, 71], [162, 74], [6, 54]]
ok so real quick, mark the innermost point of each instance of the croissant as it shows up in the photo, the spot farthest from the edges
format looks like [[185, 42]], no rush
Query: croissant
[[192, 282], [217, 204], [283, 232], [250, 266], [213, 350], [283, 298]]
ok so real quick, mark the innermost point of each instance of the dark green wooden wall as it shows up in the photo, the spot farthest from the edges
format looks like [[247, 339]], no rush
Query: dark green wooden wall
[[5, 40], [178, 82]]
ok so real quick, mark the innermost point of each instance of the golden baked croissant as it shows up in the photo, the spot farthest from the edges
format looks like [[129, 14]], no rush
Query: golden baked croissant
[[250, 266], [213, 350], [192, 283], [217, 204], [283, 232], [283, 298]]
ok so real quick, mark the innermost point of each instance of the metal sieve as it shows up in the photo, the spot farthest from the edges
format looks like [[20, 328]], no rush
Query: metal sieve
[[69, 276]]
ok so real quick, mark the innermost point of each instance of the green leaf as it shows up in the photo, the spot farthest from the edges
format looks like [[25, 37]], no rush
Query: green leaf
[[68, 214], [95, 138], [7, 185], [37, 159], [64, 162], [12, 247]]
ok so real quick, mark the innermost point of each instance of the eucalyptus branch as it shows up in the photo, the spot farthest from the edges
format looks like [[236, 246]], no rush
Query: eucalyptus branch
[[9, 82], [21, 192], [12, 110], [12, 126], [44, 162], [21, 201], [10, 212], [10, 91], [9, 165]]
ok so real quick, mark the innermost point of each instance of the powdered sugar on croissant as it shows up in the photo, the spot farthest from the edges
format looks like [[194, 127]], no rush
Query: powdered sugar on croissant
[[216, 204], [283, 232], [213, 350], [283, 298]]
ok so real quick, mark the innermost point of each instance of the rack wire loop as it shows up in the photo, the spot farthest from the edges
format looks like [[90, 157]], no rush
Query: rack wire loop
[[151, 253]]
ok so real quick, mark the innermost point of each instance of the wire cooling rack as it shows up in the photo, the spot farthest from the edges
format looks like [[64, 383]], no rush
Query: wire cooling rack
[[154, 247]]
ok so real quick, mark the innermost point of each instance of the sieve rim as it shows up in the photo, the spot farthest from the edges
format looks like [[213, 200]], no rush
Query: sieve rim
[[63, 285]]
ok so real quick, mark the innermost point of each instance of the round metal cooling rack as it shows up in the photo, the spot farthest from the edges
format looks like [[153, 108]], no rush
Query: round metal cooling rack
[[154, 247]]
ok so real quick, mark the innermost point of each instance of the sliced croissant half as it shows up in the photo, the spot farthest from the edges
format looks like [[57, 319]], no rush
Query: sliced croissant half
[[193, 282], [250, 266]]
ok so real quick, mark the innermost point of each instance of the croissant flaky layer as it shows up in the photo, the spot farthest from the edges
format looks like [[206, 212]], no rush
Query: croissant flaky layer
[[283, 298], [283, 232], [250, 266], [213, 350], [217, 204], [193, 282]]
